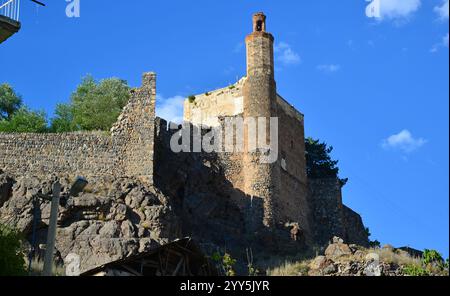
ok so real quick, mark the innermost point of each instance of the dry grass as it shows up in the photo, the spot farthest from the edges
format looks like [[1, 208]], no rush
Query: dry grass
[[290, 269], [300, 267], [37, 267], [399, 258]]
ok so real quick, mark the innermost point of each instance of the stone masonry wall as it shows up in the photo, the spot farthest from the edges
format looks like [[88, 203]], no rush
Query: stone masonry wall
[[73, 153], [127, 152], [133, 132], [207, 192], [331, 217], [292, 202], [207, 107]]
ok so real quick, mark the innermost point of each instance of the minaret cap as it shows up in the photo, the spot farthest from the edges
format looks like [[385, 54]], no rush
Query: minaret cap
[[259, 22]]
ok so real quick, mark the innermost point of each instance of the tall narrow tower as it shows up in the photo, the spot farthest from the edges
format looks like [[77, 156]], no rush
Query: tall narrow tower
[[260, 100]]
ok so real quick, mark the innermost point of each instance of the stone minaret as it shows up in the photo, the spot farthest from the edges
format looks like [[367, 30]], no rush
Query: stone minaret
[[260, 100]]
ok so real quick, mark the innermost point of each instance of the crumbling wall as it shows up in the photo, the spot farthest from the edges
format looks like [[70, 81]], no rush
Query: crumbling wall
[[355, 230], [206, 108], [133, 132], [331, 217], [212, 208]]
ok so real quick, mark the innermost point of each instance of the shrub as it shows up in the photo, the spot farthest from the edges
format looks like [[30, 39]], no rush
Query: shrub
[[228, 264], [432, 256], [414, 270], [191, 99], [375, 244], [12, 255], [225, 263]]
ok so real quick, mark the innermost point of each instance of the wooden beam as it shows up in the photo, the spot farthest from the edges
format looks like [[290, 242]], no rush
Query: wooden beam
[[133, 271]]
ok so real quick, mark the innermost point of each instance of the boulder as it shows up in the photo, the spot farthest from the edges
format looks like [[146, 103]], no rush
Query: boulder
[[6, 185], [337, 250], [318, 263], [337, 240]]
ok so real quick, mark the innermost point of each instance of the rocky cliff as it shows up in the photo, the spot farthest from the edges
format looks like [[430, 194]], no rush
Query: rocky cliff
[[113, 219]]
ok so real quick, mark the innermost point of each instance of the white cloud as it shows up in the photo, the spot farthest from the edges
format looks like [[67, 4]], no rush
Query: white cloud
[[403, 141], [442, 11], [443, 43], [392, 9], [329, 68], [170, 109], [286, 55]]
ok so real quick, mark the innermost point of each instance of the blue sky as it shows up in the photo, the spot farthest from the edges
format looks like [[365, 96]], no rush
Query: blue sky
[[375, 88]]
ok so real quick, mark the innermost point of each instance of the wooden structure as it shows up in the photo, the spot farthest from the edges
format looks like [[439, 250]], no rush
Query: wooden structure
[[8, 27], [179, 258], [9, 18]]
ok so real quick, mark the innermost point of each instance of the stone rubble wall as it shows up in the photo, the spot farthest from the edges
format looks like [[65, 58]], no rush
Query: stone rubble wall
[[331, 217], [70, 153], [128, 151], [133, 132]]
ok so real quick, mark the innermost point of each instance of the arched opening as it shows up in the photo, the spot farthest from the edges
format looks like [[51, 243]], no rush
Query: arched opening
[[259, 26]]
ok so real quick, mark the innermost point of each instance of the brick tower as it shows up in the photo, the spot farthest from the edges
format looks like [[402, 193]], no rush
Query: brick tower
[[260, 100]]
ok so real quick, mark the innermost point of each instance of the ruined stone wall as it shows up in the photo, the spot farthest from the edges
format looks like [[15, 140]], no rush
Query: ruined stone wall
[[213, 210], [331, 217], [207, 190], [133, 132], [86, 154], [127, 152], [355, 230], [207, 107]]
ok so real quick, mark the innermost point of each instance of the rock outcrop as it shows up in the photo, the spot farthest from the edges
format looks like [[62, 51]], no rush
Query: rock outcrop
[[341, 259], [117, 219]]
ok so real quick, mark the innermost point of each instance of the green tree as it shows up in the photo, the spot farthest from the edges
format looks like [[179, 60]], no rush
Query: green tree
[[319, 163], [63, 120], [12, 257], [25, 121], [10, 101], [93, 106]]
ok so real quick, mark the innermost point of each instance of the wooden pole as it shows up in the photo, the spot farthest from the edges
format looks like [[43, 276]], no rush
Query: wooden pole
[[51, 235]]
